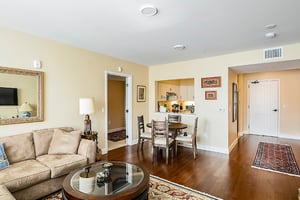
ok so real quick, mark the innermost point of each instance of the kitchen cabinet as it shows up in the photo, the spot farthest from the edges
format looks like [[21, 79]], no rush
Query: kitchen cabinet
[[167, 86], [186, 89]]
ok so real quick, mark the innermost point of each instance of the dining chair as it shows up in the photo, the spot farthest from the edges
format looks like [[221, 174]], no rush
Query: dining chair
[[161, 139], [189, 138], [174, 118], [142, 134]]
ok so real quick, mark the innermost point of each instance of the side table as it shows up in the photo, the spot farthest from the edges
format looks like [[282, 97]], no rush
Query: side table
[[93, 136]]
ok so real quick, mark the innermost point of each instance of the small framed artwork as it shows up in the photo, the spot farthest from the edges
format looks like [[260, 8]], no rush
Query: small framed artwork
[[211, 82], [210, 95], [141, 93]]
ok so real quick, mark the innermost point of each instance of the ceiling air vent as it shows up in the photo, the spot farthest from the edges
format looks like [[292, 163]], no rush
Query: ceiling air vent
[[273, 53]]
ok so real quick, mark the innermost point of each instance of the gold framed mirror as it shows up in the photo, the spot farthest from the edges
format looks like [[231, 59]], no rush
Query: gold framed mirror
[[21, 96]]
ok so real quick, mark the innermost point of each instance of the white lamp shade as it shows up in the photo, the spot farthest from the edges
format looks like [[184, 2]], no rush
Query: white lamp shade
[[25, 107], [86, 106]]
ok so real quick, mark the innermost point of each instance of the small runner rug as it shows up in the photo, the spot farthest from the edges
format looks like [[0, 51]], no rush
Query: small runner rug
[[117, 135], [161, 189], [276, 158]]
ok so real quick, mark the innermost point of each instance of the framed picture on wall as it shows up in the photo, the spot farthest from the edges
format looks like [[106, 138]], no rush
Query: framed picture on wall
[[211, 82], [141, 93], [210, 95]]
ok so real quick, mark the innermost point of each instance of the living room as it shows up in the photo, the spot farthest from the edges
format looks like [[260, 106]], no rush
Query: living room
[[72, 72]]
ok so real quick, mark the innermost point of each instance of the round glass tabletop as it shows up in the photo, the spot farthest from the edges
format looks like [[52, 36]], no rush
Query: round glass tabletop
[[107, 178]]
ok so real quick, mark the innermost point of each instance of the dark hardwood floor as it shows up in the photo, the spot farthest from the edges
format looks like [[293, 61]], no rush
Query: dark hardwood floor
[[225, 176]]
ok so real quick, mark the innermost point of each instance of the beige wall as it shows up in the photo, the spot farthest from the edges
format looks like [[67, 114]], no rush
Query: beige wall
[[213, 131], [116, 104], [70, 73], [289, 110]]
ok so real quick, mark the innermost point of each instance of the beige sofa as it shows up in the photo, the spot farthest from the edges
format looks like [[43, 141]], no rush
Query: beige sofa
[[40, 160]]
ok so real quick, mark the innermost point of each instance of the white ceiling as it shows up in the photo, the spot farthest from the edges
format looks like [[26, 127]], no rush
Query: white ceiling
[[117, 28]]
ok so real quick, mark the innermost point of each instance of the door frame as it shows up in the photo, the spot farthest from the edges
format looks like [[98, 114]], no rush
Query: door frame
[[128, 106], [248, 103]]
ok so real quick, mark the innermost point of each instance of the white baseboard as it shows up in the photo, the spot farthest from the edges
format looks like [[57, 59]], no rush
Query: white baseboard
[[241, 133], [288, 136], [281, 135], [214, 149], [104, 151]]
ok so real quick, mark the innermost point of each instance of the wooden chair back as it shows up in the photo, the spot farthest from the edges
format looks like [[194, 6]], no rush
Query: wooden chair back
[[160, 129], [141, 125], [174, 118]]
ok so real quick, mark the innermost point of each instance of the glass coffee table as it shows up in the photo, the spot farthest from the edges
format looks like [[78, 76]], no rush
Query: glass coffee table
[[107, 180]]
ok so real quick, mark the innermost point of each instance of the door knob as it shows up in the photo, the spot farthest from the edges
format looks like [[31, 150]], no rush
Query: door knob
[[275, 110]]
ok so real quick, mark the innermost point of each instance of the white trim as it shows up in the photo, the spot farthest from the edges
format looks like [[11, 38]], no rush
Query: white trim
[[289, 136], [128, 107], [214, 149], [205, 148], [135, 141], [241, 133]]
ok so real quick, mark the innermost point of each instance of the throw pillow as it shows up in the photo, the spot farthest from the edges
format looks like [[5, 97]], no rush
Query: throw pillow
[[64, 142], [42, 139], [3, 159]]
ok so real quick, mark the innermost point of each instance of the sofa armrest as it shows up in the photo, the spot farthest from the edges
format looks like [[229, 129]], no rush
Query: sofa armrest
[[87, 148]]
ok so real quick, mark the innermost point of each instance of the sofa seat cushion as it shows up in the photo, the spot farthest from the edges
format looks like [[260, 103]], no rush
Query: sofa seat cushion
[[62, 164], [23, 174]]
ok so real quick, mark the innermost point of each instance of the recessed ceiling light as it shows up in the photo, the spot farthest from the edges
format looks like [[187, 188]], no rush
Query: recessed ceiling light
[[179, 47], [270, 26], [149, 10], [270, 35]]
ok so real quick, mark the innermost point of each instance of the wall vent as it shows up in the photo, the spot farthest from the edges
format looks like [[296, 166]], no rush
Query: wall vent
[[273, 53]]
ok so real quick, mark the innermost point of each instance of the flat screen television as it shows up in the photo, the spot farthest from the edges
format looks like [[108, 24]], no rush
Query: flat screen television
[[8, 96]]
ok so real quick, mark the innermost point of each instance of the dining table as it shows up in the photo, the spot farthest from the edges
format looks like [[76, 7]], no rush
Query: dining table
[[174, 126]]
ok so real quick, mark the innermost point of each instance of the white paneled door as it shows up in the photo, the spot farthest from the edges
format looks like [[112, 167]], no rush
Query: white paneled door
[[263, 107]]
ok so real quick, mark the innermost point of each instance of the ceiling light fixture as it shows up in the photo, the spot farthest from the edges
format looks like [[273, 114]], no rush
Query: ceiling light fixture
[[149, 10], [179, 47], [270, 35], [270, 26]]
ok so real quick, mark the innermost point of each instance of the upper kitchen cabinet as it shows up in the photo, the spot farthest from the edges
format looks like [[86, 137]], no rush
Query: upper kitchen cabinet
[[168, 89], [175, 96], [179, 89], [186, 89]]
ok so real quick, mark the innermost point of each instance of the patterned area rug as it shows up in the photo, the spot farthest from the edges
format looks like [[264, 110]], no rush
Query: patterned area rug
[[276, 158], [161, 189], [117, 135]]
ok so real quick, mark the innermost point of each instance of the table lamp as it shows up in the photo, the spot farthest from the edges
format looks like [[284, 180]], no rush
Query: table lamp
[[26, 109], [86, 107]]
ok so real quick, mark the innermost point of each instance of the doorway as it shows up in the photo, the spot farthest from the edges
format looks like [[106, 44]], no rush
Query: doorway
[[118, 110], [263, 107]]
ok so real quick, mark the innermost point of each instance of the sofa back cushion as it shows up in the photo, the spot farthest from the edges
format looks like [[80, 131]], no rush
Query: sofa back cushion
[[42, 139], [19, 147], [64, 142]]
